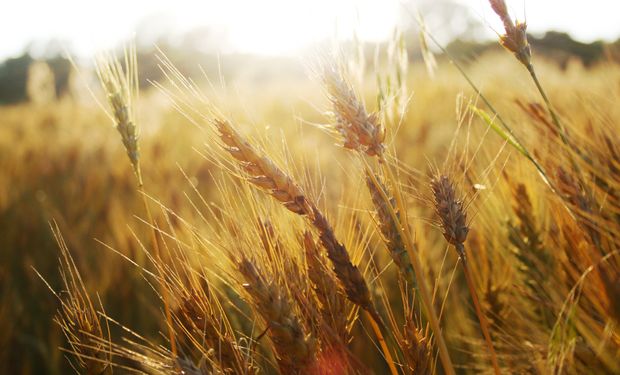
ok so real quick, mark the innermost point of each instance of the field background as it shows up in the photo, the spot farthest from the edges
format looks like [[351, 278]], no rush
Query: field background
[[61, 161]]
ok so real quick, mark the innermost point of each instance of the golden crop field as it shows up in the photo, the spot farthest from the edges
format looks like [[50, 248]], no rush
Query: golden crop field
[[378, 219]]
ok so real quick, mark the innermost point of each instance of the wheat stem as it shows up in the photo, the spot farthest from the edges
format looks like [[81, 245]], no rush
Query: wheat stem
[[427, 302], [164, 291], [484, 324], [384, 347]]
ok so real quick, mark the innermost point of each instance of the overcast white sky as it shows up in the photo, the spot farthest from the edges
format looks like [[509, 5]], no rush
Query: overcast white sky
[[267, 26]]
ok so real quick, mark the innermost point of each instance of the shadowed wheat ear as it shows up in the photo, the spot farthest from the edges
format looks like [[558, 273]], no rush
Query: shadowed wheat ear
[[389, 230], [295, 350], [331, 299], [417, 350], [453, 219], [204, 331]]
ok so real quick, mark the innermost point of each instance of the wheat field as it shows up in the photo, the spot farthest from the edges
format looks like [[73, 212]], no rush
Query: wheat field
[[397, 218]]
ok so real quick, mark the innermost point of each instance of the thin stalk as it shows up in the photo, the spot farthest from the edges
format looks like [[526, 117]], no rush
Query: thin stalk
[[527, 154], [484, 324], [164, 290], [554, 116], [384, 347], [499, 118], [427, 302]]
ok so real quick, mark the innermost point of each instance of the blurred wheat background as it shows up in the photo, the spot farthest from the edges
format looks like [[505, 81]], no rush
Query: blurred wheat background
[[375, 207]]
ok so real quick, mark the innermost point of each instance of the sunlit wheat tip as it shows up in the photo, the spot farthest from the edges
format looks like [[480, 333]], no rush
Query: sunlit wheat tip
[[360, 131], [515, 37], [120, 87]]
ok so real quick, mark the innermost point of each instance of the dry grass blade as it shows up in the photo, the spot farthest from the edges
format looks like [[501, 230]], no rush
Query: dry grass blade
[[89, 343]]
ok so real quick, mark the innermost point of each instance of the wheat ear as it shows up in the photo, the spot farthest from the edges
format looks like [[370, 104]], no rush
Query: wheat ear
[[453, 220], [295, 350], [362, 127], [389, 230], [121, 87], [264, 173]]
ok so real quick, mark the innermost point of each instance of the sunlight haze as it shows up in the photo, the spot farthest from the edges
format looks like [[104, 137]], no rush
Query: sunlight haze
[[270, 27]]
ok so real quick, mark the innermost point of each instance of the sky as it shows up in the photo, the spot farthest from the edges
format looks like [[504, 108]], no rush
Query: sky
[[269, 27]]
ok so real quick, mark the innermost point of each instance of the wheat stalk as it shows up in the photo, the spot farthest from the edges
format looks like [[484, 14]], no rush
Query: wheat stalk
[[77, 317], [121, 87], [327, 291], [515, 41], [340, 93], [453, 218]]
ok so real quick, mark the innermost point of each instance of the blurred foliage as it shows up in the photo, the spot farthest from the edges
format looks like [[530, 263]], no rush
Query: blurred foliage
[[193, 60], [554, 46], [14, 76]]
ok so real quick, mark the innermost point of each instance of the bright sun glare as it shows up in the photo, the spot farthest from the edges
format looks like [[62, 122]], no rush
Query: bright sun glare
[[283, 27], [271, 27]]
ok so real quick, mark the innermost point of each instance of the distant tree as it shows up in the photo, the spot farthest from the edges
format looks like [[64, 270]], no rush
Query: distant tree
[[61, 67], [14, 74], [561, 47], [13, 78]]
